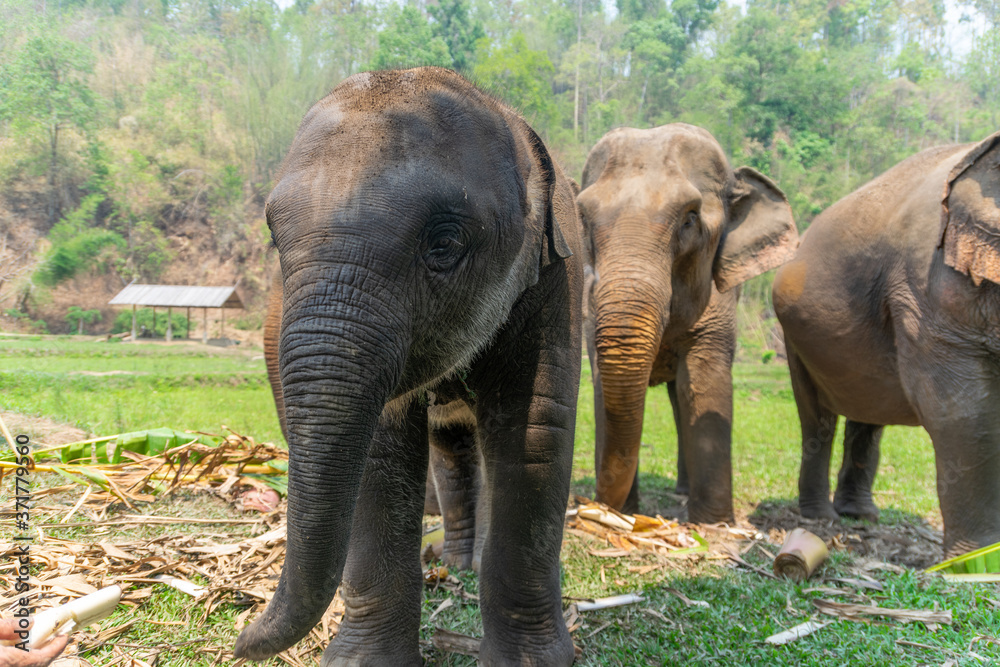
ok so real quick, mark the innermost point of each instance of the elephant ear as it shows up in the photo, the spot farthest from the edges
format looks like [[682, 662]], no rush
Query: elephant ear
[[970, 213], [573, 185], [541, 191], [760, 232]]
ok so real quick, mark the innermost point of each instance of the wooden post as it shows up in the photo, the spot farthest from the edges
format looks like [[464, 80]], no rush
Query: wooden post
[[204, 334], [170, 325], [187, 332], [153, 332], [133, 322], [222, 327]]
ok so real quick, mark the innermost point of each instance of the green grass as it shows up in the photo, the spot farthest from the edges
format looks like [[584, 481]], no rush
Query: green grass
[[199, 388], [182, 386]]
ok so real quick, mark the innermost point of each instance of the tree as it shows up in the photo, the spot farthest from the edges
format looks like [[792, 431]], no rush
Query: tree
[[454, 24], [77, 317], [982, 71], [44, 90], [520, 75], [408, 40]]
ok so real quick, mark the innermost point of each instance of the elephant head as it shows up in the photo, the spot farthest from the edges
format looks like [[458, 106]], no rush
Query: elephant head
[[410, 214], [667, 218]]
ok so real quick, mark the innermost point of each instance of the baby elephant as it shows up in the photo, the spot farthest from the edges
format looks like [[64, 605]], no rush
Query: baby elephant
[[891, 313], [430, 263]]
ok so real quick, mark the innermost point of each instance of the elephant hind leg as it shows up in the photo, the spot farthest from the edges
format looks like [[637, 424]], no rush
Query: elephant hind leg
[[857, 473], [819, 425], [431, 505], [683, 486], [455, 465]]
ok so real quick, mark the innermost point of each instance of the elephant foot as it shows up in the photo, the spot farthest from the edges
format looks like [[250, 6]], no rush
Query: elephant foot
[[682, 489], [458, 556], [334, 658], [352, 649], [548, 650], [820, 509], [631, 505], [863, 509]]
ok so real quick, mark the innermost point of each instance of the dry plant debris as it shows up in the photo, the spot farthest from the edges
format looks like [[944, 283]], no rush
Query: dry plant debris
[[858, 612], [244, 572], [625, 533], [135, 467]]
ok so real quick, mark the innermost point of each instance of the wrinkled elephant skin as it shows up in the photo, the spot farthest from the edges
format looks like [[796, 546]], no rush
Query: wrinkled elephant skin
[[671, 231], [431, 279], [454, 457], [891, 314]]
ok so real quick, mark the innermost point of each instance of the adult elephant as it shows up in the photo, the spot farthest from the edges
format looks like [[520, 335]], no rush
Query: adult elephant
[[672, 231], [429, 255], [891, 313]]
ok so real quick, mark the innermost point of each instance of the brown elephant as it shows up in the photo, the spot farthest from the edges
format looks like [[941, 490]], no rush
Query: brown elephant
[[454, 460], [672, 230], [430, 257], [891, 313]]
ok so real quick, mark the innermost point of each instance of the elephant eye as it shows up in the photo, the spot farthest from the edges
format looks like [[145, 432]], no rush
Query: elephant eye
[[443, 247], [690, 220]]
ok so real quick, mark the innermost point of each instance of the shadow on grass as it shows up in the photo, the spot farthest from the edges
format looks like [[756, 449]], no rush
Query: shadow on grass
[[901, 538]]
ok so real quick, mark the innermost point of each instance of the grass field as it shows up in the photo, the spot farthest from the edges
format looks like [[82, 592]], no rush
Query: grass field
[[193, 387]]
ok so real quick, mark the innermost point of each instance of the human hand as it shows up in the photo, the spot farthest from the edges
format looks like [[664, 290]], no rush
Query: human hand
[[11, 656]]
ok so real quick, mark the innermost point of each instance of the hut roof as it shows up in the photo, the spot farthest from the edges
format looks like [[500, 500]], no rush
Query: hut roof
[[178, 296]]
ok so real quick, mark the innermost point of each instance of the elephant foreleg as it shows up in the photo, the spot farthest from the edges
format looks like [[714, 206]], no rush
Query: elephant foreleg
[[454, 461], [526, 421], [382, 580], [857, 473], [956, 395], [705, 408], [819, 425]]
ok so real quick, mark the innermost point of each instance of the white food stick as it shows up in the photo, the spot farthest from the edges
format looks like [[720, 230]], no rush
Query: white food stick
[[73, 615], [604, 603]]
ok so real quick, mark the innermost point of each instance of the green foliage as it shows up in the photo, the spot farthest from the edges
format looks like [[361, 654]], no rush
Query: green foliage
[[144, 322], [250, 322], [170, 112], [409, 40], [37, 326], [518, 74], [455, 25], [44, 86], [77, 317], [77, 253]]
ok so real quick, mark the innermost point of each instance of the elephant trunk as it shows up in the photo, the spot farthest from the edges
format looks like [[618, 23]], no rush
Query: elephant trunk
[[629, 324], [339, 366]]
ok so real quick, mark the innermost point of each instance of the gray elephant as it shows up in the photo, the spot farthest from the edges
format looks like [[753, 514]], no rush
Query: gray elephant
[[672, 231], [891, 313], [430, 255]]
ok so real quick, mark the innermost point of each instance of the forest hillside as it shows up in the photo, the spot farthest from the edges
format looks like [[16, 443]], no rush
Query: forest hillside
[[139, 138]]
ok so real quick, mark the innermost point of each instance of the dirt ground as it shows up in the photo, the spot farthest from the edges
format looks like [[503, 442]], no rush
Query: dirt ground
[[912, 541], [42, 430]]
